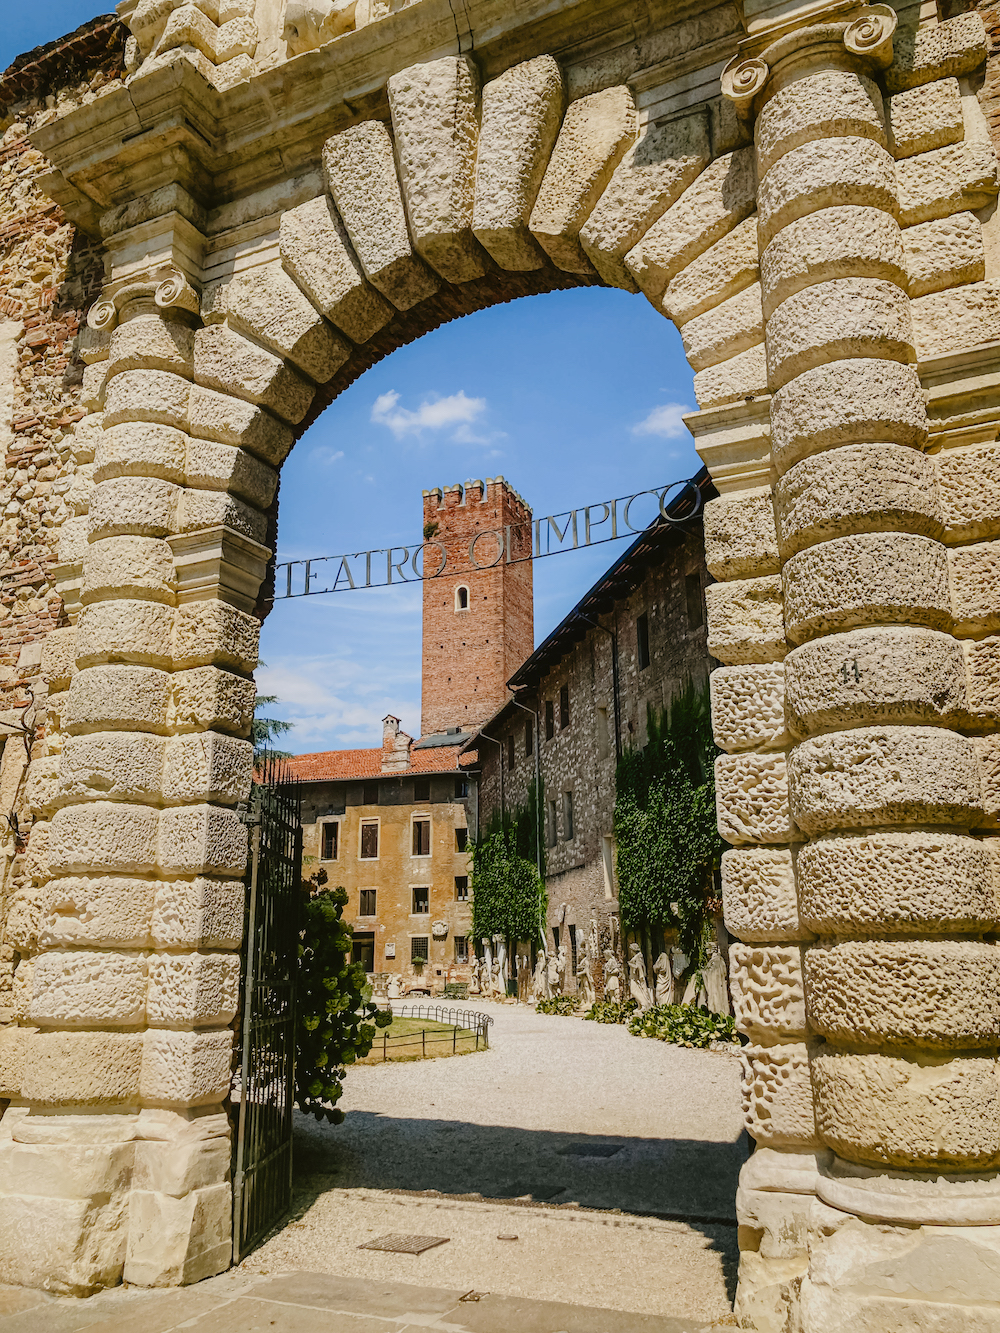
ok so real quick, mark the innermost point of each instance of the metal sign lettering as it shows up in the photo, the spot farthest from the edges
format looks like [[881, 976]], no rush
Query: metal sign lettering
[[591, 525]]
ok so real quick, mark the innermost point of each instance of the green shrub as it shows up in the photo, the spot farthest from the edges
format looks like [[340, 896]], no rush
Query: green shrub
[[336, 1020], [683, 1024], [558, 1004], [607, 1011]]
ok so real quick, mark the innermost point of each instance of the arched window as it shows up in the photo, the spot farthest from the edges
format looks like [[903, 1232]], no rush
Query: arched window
[[461, 599]]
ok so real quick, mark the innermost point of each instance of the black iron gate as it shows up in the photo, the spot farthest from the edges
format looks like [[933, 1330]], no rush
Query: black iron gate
[[262, 1171]]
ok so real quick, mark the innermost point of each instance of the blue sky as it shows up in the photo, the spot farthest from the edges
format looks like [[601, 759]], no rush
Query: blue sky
[[574, 397]]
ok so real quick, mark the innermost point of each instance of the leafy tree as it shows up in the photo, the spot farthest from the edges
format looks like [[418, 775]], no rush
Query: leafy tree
[[665, 824], [508, 894], [336, 1019], [263, 730]]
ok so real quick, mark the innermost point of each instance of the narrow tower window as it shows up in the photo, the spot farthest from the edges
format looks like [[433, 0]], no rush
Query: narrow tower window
[[461, 599]]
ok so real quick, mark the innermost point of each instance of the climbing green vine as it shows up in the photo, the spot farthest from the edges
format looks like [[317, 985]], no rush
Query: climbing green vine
[[336, 1019], [665, 824], [508, 895]]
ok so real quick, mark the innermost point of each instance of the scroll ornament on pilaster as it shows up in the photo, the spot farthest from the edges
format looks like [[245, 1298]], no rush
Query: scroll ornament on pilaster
[[867, 37], [168, 289]]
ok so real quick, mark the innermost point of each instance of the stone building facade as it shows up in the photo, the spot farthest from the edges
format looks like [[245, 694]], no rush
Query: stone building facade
[[391, 827], [808, 192], [574, 709]]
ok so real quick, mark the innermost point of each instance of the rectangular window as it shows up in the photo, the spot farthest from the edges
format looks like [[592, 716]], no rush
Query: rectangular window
[[421, 789], [363, 949], [421, 901], [461, 788], [550, 720], [418, 948], [695, 608], [603, 735], [331, 842], [370, 794], [421, 837], [461, 948], [529, 737], [510, 754], [567, 815], [642, 636], [461, 888], [552, 824], [572, 949], [367, 902], [369, 840], [555, 937], [461, 839], [564, 707]]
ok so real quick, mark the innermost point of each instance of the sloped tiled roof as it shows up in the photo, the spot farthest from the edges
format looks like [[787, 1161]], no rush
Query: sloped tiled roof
[[343, 765]]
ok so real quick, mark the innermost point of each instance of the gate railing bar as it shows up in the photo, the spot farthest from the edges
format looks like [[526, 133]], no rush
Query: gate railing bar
[[251, 953]]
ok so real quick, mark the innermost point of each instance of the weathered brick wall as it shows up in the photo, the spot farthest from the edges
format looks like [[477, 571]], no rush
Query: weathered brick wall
[[572, 760]]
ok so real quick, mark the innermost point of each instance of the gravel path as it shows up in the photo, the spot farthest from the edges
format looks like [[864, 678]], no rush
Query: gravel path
[[559, 1117]]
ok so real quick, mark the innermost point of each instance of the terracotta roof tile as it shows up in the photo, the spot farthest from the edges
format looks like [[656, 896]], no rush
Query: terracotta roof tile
[[341, 765]]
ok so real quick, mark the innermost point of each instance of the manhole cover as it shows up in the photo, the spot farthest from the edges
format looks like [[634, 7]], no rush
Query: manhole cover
[[405, 1244], [590, 1149]]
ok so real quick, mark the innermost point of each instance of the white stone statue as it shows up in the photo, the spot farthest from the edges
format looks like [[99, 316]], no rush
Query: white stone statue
[[313, 23], [664, 984], [585, 976], [679, 962], [393, 990], [562, 967], [497, 987], [474, 977], [638, 983], [501, 956], [716, 982], [540, 988], [612, 977], [553, 973]]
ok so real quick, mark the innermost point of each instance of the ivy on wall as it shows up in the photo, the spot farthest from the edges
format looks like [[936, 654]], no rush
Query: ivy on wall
[[665, 824], [508, 894]]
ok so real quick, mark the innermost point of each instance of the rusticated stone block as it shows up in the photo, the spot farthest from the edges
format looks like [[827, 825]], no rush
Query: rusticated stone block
[[877, 576], [117, 698], [88, 988], [212, 466], [968, 483], [859, 488], [265, 303], [128, 566], [956, 319], [42, 784], [59, 658], [140, 449], [983, 679], [824, 103], [69, 1171], [926, 117], [102, 909], [896, 883], [945, 181], [884, 775], [974, 589], [38, 857], [207, 766], [175, 1241], [192, 990], [746, 620], [147, 395], [217, 509], [768, 996], [140, 506], [218, 416], [201, 839], [851, 241], [723, 270], [722, 196], [361, 175], [748, 707], [14, 1052], [751, 792], [778, 1096], [83, 1068], [824, 173], [227, 362], [890, 675], [103, 836], [201, 913], [740, 379], [435, 121], [652, 175], [214, 633], [150, 342], [848, 402], [65, 1246], [921, 55], [185, 1068], [740, 537], [595, 133], [906, 1113], [111, 766], [759, 896], [988, 755], [317, 252], [843, 318], [124, 630], [178, 1168], [936, 994], [732, 327]]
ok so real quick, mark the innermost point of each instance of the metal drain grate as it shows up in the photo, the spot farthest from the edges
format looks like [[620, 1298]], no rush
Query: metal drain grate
[[405, 1244], [590, 1149]]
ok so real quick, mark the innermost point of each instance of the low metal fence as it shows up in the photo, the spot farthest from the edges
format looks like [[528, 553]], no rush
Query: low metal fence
[[463, 1023]]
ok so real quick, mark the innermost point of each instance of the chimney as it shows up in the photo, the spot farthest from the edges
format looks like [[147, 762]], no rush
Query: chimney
[[395, 746]]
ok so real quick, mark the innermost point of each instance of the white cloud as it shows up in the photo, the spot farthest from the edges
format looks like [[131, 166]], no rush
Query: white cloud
[[457, 412], [333, 702], [324, 454], [664, 421]]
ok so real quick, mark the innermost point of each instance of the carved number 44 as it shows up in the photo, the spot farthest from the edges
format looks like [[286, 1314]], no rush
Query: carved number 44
[[849, 669]]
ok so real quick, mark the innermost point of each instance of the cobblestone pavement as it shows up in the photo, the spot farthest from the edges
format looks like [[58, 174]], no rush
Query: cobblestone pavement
[[616, 1159]]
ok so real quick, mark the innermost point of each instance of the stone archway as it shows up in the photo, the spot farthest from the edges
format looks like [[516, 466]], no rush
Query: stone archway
[[831, 285]]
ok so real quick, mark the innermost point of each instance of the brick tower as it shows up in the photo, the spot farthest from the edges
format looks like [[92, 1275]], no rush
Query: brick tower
[[479, 624]]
